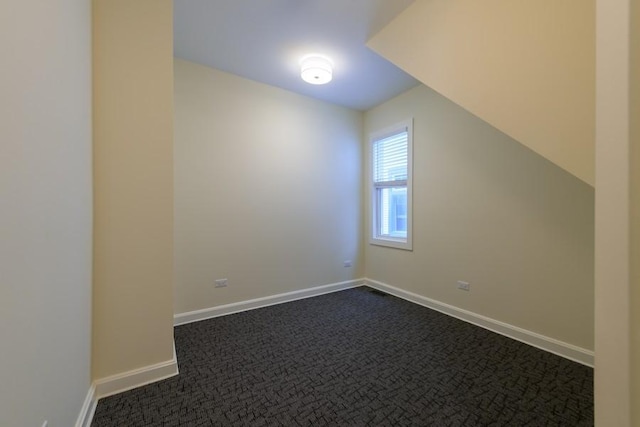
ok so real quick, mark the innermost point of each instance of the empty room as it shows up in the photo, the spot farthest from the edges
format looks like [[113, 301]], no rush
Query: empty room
[[411, 212]]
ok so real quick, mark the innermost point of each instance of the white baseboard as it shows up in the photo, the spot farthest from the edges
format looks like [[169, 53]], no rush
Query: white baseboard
[[88, 409], [223, 310], [138, 377], [569, 351]]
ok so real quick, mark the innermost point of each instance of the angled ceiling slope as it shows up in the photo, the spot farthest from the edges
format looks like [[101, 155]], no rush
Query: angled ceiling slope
[[525, 67], [264, 41]]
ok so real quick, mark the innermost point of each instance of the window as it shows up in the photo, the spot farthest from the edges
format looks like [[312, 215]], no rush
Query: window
[[391, 186]]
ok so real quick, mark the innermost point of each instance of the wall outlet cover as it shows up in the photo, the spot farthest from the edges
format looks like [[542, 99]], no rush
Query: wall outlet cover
[[465, 286]]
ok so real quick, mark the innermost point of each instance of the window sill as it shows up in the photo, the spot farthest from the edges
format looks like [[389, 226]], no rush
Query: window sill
[[392, 243]]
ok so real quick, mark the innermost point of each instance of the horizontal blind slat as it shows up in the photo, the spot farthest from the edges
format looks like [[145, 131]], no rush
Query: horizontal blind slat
[[391, 184]]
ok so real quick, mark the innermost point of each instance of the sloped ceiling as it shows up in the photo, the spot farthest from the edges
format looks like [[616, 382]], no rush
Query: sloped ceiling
[[525, 67], [264, 41]]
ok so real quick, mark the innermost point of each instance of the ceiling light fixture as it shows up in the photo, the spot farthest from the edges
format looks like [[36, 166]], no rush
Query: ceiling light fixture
[[316, 69]]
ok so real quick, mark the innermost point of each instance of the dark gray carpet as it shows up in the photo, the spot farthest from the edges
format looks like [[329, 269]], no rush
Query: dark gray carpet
[[355, 358]]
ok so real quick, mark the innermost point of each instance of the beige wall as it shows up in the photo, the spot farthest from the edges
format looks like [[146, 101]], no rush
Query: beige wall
[[635, 210], [45, 211], [268, 189], [490, 212], [612, 257], [526, 67], [133, 173]]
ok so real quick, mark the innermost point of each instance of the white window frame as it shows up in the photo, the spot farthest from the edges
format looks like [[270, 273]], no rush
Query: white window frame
[[374, 237]]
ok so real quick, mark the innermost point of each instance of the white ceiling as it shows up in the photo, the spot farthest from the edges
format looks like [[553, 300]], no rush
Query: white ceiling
[[263, 40]]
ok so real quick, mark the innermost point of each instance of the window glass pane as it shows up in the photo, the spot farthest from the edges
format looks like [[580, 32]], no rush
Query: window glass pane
[[390, 158], [392, 212]]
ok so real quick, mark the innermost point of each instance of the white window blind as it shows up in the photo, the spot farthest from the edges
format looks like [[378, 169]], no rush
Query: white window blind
[[390, 157]]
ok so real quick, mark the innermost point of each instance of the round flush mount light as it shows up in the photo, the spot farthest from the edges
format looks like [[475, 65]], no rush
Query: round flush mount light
[[316, 69]]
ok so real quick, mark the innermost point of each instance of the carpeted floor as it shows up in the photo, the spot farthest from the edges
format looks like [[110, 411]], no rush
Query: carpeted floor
[[355, 358]]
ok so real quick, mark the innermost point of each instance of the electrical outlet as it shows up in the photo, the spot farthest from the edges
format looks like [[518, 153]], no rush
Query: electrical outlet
[[347, 263], [221, 283], [465, 286]]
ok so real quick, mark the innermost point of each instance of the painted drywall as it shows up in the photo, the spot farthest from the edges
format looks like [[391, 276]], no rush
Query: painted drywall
[[635, 210], [613, 310], [45, 211], [267, 189], [526, 67], [133, 184], [492, 213]]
